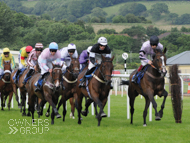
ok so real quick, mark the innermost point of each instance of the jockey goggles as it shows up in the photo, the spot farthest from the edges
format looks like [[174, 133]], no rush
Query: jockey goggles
[[53, 50], [6, 53], [38, 49], [28, 52], [152, 44], [71, 50]]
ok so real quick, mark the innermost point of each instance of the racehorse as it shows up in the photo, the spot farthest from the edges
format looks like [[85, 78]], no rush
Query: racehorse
[[6, 87], [69, 82], [151, 84], [21, 86], [48, 94], [98, 86]]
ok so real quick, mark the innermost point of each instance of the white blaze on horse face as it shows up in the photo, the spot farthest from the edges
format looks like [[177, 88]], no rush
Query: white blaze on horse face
[[163, 64], [57, 83]]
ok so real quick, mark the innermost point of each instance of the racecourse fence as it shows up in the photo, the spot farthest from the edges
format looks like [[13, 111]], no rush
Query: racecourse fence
[[116, 79]]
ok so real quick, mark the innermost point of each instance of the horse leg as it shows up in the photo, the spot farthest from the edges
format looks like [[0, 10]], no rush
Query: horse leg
[[16, 96], [53, 110], [48, 110], [132, 95], [2, 101], [31, 105], [104, 103], [165, 94], [64, 109], [10, 98], [145, 110], [87, 104], [79, 107], [96, 111], [157, 118], [60, 102], [23, 104], [71, 100]]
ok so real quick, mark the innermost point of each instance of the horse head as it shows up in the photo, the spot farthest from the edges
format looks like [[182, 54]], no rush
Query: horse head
[[7, 70], [74, 67], [56, 75], [159, 61], [106, 69]]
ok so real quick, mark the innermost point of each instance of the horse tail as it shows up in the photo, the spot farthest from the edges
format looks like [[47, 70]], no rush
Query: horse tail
[[124, 82]]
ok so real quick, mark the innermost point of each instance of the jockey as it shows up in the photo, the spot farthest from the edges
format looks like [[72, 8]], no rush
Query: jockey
[[147, 49], [67, 53], [6, 56], [24, 52], [32, 60], [100, 48], [45, 62], [84, 57]]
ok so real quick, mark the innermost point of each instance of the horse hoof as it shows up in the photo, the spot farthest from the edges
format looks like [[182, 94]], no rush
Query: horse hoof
[[144, 125], [81, 118], [58, 116], [103, 115], [157, 118], [52, 122], [2, 109], [29, 115], [47, 114], [19, 107], [23, 114], [73, 117], [84, 113]]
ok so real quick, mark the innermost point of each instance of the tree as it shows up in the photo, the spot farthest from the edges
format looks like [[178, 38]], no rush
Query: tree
[[106, 31], [39, 8], [6, 23], [75, 9], [172, 17], [133, 8], [97, 11], [131, 18], [183, 19], [152, 31], [119, 19]]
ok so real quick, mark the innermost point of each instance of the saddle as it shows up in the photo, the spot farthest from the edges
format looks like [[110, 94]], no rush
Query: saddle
[[140, 74], [21, 72]]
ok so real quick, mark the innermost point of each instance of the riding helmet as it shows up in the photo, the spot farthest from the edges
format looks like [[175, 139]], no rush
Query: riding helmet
[[89, 48], [29, 49], [6, 50], [102, 41], [39, 45], [154, 40], [53, 45]]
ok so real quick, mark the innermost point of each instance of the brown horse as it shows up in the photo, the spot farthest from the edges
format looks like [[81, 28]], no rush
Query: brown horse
[[151, 84], [6, 87], [69, 81], [99, 87], [50, 88]]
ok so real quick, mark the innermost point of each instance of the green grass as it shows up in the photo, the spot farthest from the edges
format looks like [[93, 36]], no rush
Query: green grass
[[116, 128], [29, 3]]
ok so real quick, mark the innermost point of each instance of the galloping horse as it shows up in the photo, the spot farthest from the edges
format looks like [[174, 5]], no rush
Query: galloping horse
[[21, 86], [50, 87], [99, 87], [69, 81], [151, 84], [6, 87]]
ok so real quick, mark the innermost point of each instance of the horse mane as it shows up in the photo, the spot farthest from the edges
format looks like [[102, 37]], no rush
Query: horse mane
[[57, 66]]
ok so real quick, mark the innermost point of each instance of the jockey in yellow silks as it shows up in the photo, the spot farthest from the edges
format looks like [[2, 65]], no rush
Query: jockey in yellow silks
[[6, 56]]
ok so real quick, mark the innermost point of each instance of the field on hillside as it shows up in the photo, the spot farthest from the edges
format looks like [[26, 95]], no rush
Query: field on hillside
[[116, 128], [120, 26], [179, 7]]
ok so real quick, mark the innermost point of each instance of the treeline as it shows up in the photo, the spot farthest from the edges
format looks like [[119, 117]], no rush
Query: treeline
[[18, 30]]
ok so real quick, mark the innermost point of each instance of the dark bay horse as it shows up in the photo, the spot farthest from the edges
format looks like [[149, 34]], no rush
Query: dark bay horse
[[50, 87], [21, 87], [6, 86], [99, 87], [151, 84], [69, 81]]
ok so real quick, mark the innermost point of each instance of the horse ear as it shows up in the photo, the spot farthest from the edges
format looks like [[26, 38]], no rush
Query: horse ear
[[165, 49], [112, 58], [155, 51]]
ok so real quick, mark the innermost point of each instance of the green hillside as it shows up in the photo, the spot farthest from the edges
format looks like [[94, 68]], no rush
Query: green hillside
[[179, 7]]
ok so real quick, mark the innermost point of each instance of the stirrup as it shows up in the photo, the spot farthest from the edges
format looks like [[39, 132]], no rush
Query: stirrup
[[81, 85]]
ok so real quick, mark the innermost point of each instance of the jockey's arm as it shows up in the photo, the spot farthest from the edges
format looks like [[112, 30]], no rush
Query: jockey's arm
[[1, 62], [12, 62], [92, 57], [29, 60], [23, 55]]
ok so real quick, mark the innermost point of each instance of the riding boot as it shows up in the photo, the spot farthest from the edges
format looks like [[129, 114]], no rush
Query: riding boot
[[134, 79], [1, 76], [17, 73], [38, 87], [83, 79], [30, 72]]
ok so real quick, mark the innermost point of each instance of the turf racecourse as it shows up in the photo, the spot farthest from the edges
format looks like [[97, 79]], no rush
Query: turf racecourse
[[116, 128]]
